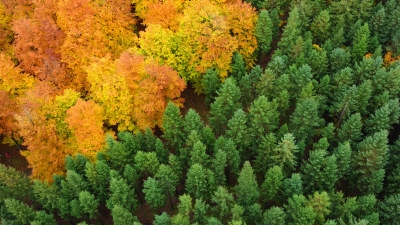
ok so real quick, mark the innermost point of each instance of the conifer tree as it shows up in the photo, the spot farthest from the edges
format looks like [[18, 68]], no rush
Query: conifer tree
[[192, 121], [238, 67], [14, 184], [153, 193], [238, 130], [223, 106], [122, 216], [98, 176], [320, 26], [42, 218], [292, 185], [224, 201], [167, 180], [272, 183], [211, 84], [320, 173], [291, 32], [146, 163], [88, 203], [343, 159], [369, 162], [263, 31], [284, 154], [379, 120], [219, 164], [173, 126], [162, 219], [387, 208], [200, 211], [339, 59], [232, 154], [360, 42], [247, 190], [320, 204], [199, 181], [274, 216], [23, 213], [351, 129], [121, 194], [298, 212]]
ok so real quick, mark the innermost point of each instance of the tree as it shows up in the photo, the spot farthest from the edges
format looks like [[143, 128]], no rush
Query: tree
[[146, 163], [153, 193], [386, 208], [369, 161], [238, 67], [298, 212], [284, 154], [292, 185], [88, 203], [351, 129], [173, 125], [211, 84], [121, 196], [343, 159], [360, 42], [238, 130], [42, 218], [122, 216], [22, 212], [219, 164], [14, 184], [200, 211], [224, 201], [199, 181], [85, 119], [167, 181], [272, 183], [263, 31], [263, 118], [291, 32], [320, 172], [198, 155], [320, 26], [274, 216], [247, 190], [320, 203], [223, 106], [192, 122], [162, 219]]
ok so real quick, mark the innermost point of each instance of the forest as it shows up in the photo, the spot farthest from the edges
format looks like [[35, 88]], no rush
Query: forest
[[203, 112]]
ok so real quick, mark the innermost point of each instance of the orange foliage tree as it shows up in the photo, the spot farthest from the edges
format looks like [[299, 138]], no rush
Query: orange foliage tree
[[8, 108], [85, 119], [93, 29]]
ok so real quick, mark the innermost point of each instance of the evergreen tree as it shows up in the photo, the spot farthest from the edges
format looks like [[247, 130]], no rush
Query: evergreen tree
[[351, 129], [153, 193], [198, 155], [232, 154], [42, 218], [320, 172], [369, 161], [389, 209], [291, 32], [192, 122], [199, 181], [378, 121], [200, 211], [272, 183], [211, 83], [320, 26], [339, 59], [274, 216], [173, 126], [98, 176], [23, 213], [119, 152], [238, 67], [320, 203], [298, 212], [292, 185], [219, 164], [14, 184], [88, 203], [122, 216], [146, 163], [121, 195], [162, 219], [167, 181], [263, 31], [360, 42], [223, 106], [237, 129], [253, 214], [162, 153], [343, 159], [263, 117], [283, 154], [224, 201], [46, 195], [247, 190]]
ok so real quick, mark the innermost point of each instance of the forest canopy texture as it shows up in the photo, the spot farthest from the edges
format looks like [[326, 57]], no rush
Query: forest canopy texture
[[299, 119]]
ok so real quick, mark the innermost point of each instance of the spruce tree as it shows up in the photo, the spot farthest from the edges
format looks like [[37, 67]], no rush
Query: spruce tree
[[173, 126], [238, 130], [219, 164], [223, 106], [274, 216], [167, 181], [88, 203], [360, 42], [272, 183], [211, 84], [263, 31], [162, 219], [298, 212], [320, 26], [122, 216], [192, 122], [200, 211], [343, 159], [153, 193], [223, 202], [247, 190], [238, 67]]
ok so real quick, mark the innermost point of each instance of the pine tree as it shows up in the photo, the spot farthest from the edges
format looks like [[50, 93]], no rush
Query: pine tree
[[167, 181], [192, 122], [121, 194], [14, 184], [247, 190], [351, 129], [88, 203], [219, 164], [292, 185], [98, 176], [200, 211], [23, 213], [122, 216], [232, 154], [263, 31], [387, 208], [223, 106], [284, 154], [238, 67], [378, 121], [42, 218], [173, 125], [343, 159], [199, 181], [146, 163], [291, 32], [320, 204], [339, 59]]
